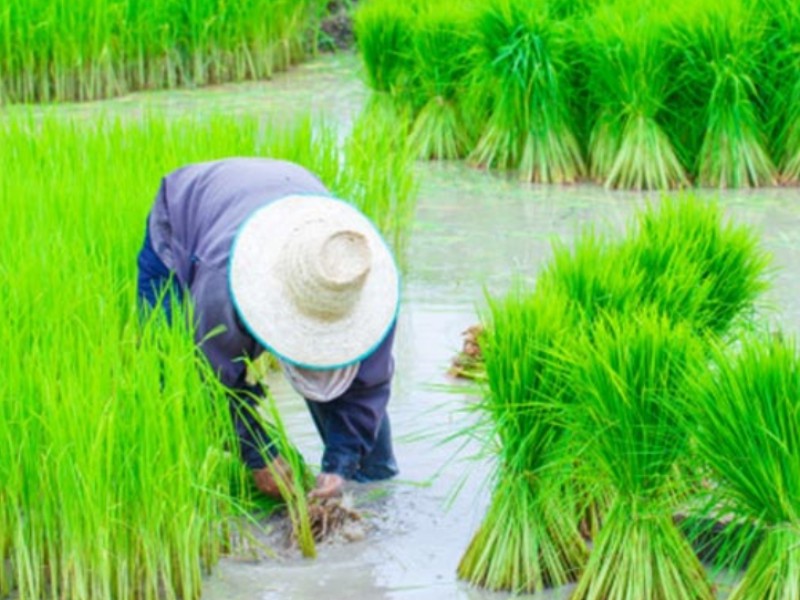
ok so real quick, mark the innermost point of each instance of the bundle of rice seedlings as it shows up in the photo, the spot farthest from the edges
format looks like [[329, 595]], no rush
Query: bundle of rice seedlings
[[592, 275], [441, 45], [745, 412], [630, 77], [383, 30], [629, 371], [722, 47], [529, 538], [522, 56], [695, 265], [783, 63]]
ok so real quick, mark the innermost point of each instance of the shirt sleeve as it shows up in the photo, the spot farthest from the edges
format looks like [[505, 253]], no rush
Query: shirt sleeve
[[225, 344], [217, 330], [350, 423]]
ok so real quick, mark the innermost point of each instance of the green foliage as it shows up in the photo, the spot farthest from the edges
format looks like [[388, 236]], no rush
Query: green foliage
[[655, 96], [521, 65], [722, 48], [113, 436], [748, 407], [586, 378], [442, 49], [54, 50], [695, 265], [592, 276], [783, 70], [631, 76], [383, 31], [629, 370], [529, 539]]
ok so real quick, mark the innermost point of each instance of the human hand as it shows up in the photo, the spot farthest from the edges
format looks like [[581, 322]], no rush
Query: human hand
[[273, 478], [329, 485]]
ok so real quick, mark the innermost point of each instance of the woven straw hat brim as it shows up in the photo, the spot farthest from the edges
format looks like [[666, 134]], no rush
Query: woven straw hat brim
[[260, 295]]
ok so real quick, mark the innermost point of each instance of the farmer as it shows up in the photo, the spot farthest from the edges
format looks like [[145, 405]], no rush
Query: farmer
[[271, 261]]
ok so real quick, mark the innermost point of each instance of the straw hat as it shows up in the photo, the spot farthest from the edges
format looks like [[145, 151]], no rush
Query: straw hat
[[313, 281]]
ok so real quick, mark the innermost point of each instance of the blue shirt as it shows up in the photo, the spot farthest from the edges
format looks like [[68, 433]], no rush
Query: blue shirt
[[197, 213]]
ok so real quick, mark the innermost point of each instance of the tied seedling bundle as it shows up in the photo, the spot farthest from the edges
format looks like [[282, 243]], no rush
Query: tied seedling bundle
[[747, 432], [384, 34], [783, 60], [631, 76], [630, 371], [441, 47], [529, 539], [722, 70], [522, 62], [694, 264], [678, 257]]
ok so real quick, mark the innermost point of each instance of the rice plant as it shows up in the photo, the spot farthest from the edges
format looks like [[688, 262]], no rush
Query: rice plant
[[384, 31], [114, 436], [748, 435], [87, 49], [722, 47], [592, 275], [529, 539], [629, 371], [695, 265], [441, 45], [630, 70], [521, 68], [783, 70]]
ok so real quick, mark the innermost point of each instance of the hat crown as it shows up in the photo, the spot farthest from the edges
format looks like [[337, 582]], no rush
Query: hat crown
[[325, 270]]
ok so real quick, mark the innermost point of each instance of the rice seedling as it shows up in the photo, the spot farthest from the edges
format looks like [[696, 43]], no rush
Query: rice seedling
[[441, 46], [383, 31], [521, 64], [529, 539], [783, 70], [745, 416], [302, 481], [679, 257], [630, 70], [385, 189], [114, 438], [695, 265], [592, 275], [722, 47], [88, 49], [629, 371]]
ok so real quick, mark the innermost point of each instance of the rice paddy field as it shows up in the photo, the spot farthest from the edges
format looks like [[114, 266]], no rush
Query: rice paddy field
[[639, 366]]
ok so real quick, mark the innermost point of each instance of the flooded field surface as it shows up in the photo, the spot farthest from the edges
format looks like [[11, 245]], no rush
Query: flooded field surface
[[474, 232]]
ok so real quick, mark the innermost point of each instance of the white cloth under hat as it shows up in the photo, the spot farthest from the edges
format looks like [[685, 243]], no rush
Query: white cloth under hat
[[320, 385], [314, 281]]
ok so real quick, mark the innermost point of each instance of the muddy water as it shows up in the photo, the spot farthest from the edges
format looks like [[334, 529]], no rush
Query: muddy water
[[474, 231]]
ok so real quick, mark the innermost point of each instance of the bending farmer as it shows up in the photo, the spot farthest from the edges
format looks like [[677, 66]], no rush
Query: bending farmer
[[272, 261]]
